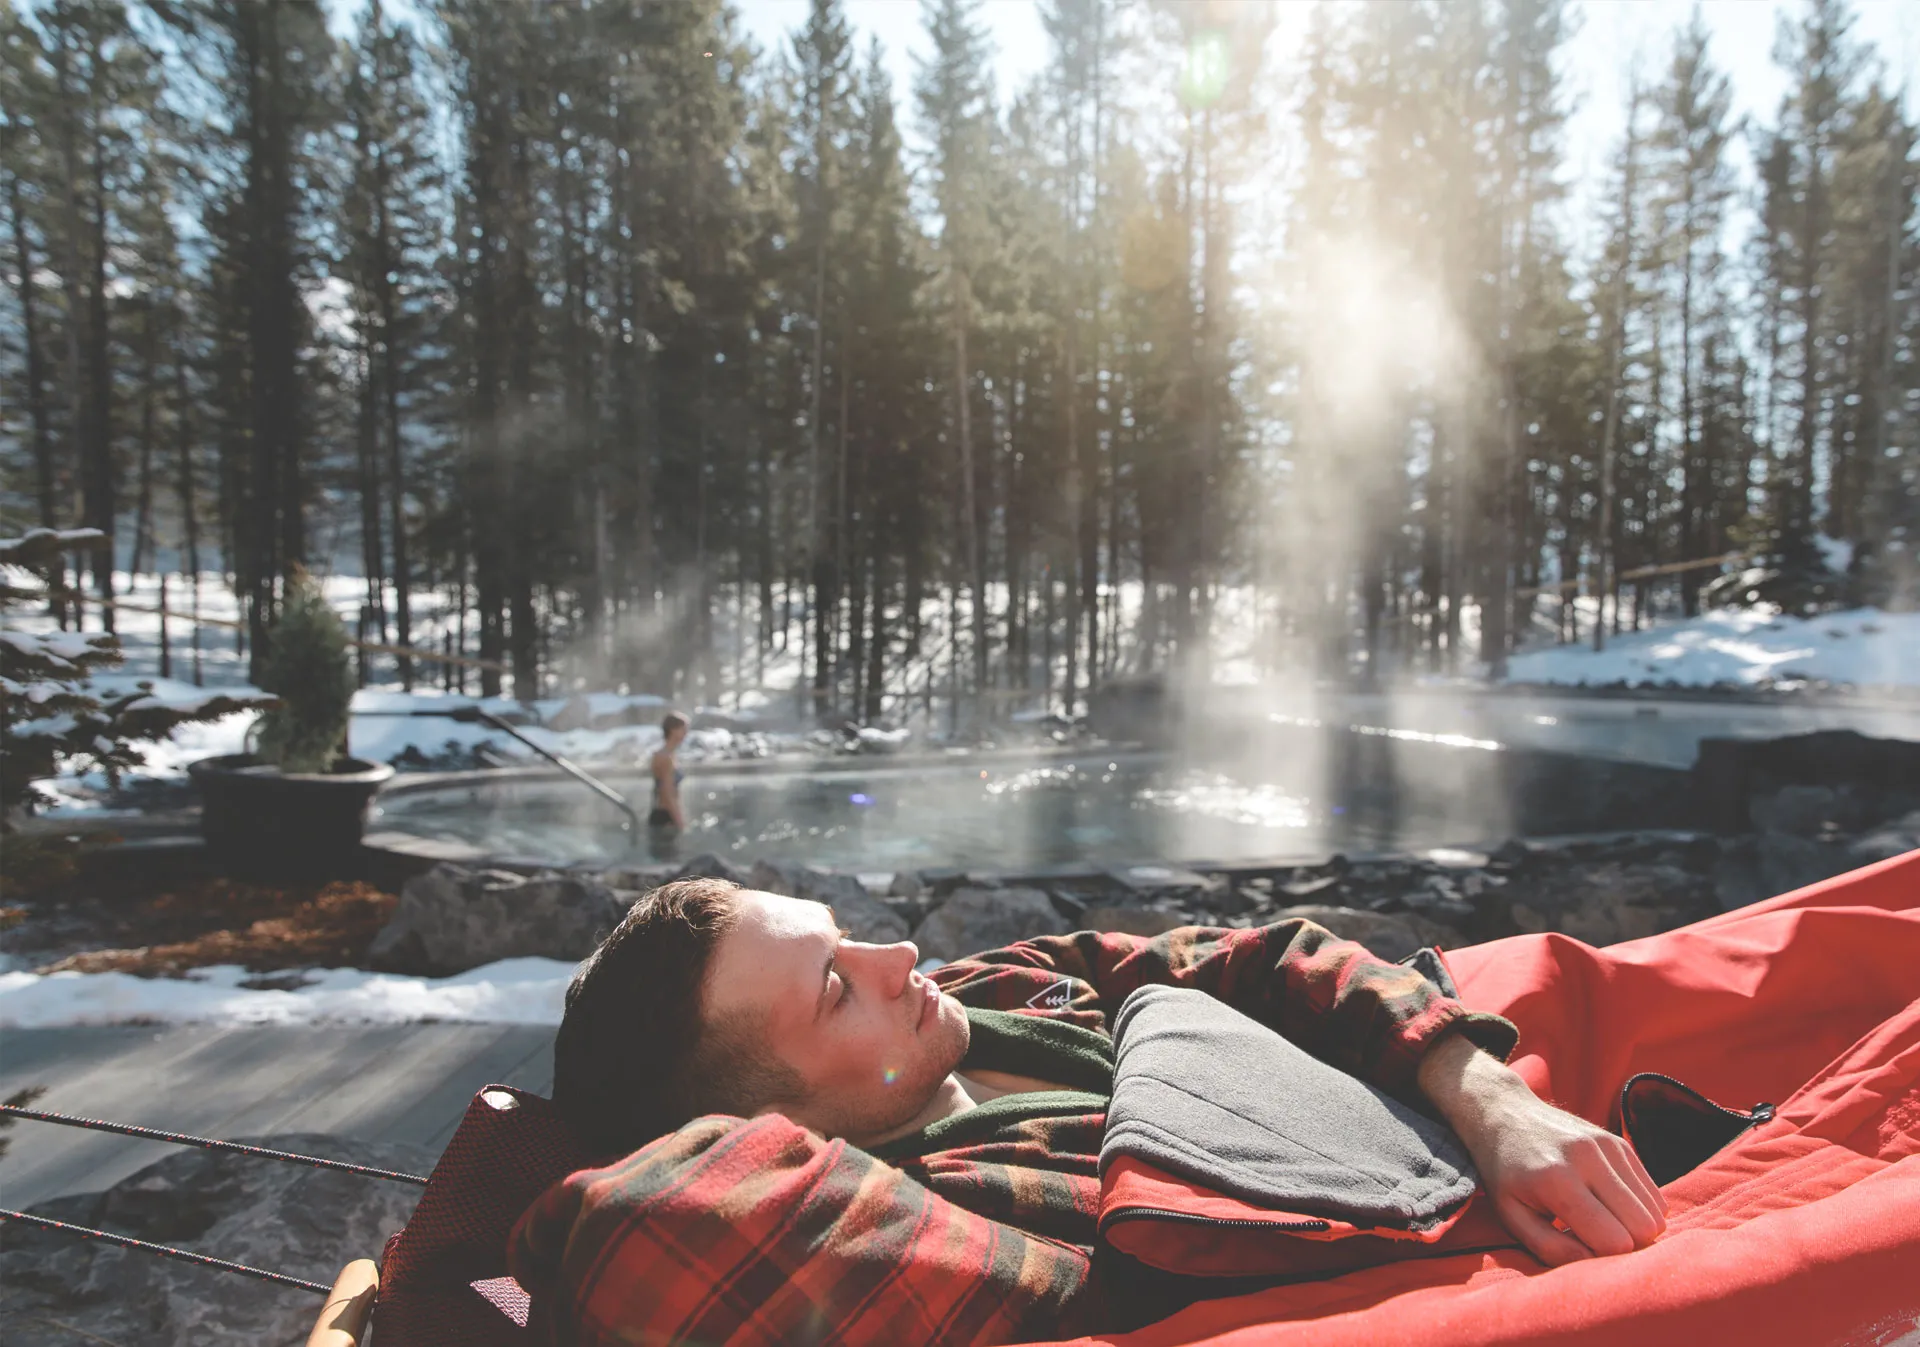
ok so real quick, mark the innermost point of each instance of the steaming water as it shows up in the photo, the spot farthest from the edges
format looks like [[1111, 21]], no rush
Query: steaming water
[[1003, 815]]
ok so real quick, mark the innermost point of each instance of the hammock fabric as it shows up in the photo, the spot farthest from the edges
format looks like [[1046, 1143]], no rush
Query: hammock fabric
[[1806, 1230]]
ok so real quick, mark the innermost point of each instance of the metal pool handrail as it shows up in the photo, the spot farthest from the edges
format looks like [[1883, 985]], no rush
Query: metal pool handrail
[[474, 714]]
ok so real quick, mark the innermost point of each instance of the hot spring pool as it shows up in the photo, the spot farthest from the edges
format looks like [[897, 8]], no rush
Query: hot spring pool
[[1000, 814]]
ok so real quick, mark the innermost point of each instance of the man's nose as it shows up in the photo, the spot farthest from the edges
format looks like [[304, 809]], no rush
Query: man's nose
[[892, 964]]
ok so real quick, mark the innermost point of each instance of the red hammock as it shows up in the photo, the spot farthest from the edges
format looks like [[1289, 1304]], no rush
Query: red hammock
[[1805, 1231]]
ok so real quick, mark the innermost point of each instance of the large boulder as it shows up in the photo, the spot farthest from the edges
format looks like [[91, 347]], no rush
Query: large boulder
[[1808, 811], [1607, 901], [973, 920], [1739, 781], [454, 918], [865, 917], [309, 1223], [1895, 838], [1736, 877], [1786, 861], [1391, 936]]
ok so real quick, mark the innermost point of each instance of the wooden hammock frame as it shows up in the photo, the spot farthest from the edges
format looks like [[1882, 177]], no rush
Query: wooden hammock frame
[[343, 1319]]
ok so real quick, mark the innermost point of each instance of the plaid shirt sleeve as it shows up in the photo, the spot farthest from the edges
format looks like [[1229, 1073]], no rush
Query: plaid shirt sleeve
[[1372, 1019], [758, 1233]]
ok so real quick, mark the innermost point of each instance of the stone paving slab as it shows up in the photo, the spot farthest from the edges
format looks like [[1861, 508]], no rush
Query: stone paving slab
[[382, 1082]]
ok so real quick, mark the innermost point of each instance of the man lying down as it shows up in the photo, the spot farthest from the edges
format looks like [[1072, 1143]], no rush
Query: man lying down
[[899, 1161]]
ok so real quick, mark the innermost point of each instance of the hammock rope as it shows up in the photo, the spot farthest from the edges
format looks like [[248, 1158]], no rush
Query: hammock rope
[[9, 1112], [207, 1143], [165, 1250]]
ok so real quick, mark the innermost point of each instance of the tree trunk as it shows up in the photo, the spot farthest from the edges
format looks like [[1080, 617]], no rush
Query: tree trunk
[[189, 512], [1810, 371], [396, 452], [98, 446], [372, 550], [276, 484], [26, 290], [1606, 588], [877, 642], [1695, 493], [818, 563], [144, 545], [970, 524]]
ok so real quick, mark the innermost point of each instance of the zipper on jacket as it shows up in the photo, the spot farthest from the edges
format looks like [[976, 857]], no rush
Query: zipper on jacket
[[1760, 1113], [1227, 1222]]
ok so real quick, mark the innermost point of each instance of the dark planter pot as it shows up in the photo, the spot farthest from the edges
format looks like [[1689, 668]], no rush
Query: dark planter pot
[[263, 823]]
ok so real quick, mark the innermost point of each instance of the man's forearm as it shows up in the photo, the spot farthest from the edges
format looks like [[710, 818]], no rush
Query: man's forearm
[[1538, 1164], [1471, 1089]]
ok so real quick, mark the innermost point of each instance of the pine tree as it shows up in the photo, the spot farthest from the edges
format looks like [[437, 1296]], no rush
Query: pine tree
[[1689, 148], [53, 719], [822, 63], [24, 164], [265, 64], [956, 109], [394, 247], [1822, 65]]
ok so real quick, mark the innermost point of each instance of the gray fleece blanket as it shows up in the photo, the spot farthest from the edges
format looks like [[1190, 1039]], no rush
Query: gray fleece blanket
[[1204, 1092]]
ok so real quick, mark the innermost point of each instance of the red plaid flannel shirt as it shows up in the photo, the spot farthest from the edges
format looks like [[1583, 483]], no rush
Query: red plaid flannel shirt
[[762, 1234]]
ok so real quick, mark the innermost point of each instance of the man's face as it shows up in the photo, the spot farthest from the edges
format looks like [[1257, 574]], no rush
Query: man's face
[[871, 1038]]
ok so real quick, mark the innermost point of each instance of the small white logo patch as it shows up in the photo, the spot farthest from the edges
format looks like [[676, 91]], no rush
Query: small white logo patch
[[1054, 997]]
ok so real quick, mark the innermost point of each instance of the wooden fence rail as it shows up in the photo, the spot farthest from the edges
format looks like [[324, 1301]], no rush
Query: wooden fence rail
[[1641, 573]]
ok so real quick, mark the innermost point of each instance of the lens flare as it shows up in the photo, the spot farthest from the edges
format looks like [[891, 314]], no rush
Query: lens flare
[[891, 1074]]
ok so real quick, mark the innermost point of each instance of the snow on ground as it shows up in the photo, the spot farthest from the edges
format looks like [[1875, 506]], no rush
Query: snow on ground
[[1862, 647], [387, 725], [512, 991]]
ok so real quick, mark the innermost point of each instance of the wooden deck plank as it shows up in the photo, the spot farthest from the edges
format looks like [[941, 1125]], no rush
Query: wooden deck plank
[[380, 1082]]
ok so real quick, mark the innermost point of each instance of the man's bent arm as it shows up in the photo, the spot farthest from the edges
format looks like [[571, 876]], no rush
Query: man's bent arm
[[1539, 1164], [1372, 1019]]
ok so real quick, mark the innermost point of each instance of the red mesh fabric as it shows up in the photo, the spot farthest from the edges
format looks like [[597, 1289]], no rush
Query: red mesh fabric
[[444, 1278]]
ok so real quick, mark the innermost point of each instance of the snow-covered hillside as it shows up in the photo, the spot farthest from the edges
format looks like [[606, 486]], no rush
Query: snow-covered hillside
[[1861, 648]]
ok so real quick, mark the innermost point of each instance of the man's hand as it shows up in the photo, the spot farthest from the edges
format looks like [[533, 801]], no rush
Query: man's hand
[[1540, 1164]]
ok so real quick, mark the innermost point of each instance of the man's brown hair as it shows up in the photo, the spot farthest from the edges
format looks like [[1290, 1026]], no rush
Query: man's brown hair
[[636, 1056]]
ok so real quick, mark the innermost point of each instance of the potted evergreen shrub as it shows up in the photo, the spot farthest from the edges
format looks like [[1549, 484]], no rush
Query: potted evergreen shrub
[[296, 806]]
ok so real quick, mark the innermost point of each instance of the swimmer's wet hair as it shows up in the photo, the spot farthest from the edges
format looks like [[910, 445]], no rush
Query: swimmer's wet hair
[[635, 1056]]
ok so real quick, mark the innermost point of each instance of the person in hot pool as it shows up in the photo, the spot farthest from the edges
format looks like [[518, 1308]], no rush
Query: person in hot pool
[[668, 817]]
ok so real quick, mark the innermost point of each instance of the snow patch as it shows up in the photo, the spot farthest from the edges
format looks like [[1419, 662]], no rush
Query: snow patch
[[511, 991], [1746, 647]]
